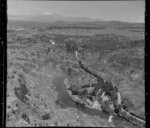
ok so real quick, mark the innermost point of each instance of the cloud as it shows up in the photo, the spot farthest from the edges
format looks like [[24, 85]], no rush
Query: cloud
[[47, 13], [27, 11]]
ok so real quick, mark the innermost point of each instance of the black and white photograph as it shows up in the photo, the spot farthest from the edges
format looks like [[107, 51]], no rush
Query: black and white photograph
[[75, 64]]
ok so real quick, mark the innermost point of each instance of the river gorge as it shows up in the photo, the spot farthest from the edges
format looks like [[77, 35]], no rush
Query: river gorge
[[66, 102]]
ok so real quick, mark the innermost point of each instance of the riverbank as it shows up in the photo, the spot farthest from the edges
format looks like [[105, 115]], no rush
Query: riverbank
[[87, 103], [123, 114]]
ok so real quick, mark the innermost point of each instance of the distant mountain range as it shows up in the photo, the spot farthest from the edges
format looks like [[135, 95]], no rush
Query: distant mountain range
[[51, 18], [47, 20]]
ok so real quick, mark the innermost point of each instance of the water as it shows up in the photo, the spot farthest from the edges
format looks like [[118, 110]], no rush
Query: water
[[67, 102]]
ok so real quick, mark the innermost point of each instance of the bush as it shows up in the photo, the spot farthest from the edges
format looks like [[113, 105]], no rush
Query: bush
[[108, 88], [25, 117], [46, 116], [105, 107], [18, 94], [71, 46], [21, 91], [85, 92], [127, 103], [75, 90]]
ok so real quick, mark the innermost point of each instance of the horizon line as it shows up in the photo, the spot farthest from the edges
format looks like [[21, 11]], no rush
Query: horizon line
[[96, 19]]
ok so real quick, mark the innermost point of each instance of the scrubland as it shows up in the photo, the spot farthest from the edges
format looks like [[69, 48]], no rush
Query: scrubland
[[117, 54]]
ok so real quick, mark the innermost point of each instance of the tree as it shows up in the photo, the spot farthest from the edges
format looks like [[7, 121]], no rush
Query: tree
[[96, 89], [71, 46], [106, 107], [22, 91], [75, 90], [108, 88], [69, 71], [46, 116], [85, 92]]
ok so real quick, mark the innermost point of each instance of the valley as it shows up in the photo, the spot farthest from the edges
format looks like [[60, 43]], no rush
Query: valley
[[40, 56]]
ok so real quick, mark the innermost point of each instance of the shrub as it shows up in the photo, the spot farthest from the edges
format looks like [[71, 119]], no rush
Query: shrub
[[21, 91], [25, 117], [74, 89], [108, 87], [85, 92], [46, 116], [71, 46], [127, 103], [19, 95]]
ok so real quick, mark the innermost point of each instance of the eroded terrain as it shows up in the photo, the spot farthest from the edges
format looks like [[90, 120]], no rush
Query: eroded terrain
[[37, 56]]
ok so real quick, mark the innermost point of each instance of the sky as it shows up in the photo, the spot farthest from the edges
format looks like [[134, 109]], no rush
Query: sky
[[129, 11]]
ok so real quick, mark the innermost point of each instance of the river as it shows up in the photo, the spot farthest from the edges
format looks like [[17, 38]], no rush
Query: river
[[67, 102]]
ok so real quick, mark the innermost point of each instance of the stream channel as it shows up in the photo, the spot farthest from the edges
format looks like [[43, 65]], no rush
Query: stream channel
[[67, 102]]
